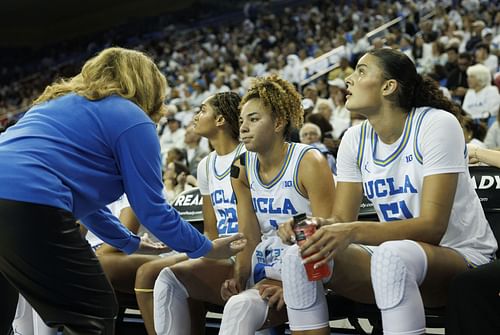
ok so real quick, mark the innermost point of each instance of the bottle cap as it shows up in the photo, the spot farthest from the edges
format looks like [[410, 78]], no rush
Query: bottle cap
[[299, 217]]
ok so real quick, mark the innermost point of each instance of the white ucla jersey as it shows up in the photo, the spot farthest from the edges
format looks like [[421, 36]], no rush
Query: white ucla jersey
[[280, 199], [217, 178], [275, 203], [393, 174]]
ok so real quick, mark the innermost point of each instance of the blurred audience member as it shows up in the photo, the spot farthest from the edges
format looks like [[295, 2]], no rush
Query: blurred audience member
[[482, 100], [457, 79], [492, 139], [194, 152], [173, 135], [483, 56], [311, 134], [176, 180]]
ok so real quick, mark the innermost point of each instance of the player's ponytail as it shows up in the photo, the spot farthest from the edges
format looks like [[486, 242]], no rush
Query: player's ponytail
[[413, 89]]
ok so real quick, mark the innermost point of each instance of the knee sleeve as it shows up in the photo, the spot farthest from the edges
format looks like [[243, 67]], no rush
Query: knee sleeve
[[23, 321], [244, 313], [28, 322], [305, 300], [397, 270], [40, 327], [169, 297]]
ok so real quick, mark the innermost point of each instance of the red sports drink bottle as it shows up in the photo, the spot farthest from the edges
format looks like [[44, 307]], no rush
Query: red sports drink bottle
[[303, 228]]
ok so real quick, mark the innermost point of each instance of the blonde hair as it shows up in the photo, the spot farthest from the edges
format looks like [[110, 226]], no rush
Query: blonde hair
[[124, 72], [280, 97]]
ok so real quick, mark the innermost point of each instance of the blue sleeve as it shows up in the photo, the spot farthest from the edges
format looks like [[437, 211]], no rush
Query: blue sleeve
[[138, 155], [109, 229]]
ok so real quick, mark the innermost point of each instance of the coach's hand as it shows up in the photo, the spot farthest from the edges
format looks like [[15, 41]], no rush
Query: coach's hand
[[148, 246], [225, 247]]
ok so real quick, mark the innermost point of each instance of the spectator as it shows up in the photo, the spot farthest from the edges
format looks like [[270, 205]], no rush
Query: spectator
[[219, 86], [311, 92], [311, 134], [492, 139], [474, 132], [452, 59], [477, 28], [341, 117], [293, 71], [482, 100], [483, 56], [456, 81], [343, 71], [199, 93], [194, 152], [173, 135], [177, 180]]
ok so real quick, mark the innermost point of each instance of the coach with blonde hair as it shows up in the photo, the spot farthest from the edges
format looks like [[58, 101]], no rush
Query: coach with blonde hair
[[85, 142]]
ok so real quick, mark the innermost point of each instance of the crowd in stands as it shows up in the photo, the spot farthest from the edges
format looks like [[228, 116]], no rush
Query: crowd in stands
[[456, 43]]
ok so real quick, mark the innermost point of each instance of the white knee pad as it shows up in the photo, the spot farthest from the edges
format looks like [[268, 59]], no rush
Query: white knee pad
[[393, 264], [244, 313], [170, 296], [28, 322], [299, 293], [397, 270], [23, 321], [305, 300], [40, 327]]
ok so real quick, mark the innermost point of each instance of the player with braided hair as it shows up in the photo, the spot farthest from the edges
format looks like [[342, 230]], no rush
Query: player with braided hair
[[180, 290], [273, 181]]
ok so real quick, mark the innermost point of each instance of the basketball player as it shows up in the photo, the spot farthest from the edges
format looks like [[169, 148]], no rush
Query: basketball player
[[273, 181], [201, 279], [410, 160]]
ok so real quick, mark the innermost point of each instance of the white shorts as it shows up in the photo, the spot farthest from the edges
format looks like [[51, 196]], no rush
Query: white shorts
[[267, 259], [472, 257]]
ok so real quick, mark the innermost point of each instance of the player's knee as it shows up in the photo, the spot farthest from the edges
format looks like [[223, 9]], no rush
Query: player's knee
[[146, 275], [167, 288], [242, 303], [167, 285], [305, 300], [299, 292], [395, 267], [244, 313]]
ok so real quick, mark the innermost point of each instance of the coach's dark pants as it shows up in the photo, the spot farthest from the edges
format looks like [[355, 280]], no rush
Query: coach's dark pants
[[474, 302], [44, 257]]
